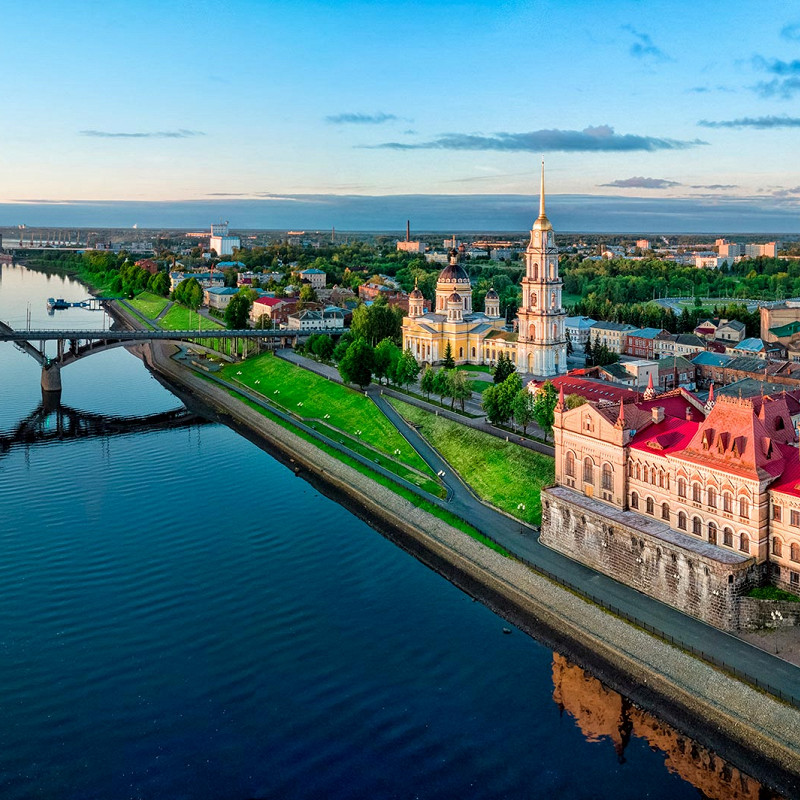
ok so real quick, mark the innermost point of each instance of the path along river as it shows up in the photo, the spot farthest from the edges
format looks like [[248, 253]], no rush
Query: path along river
[[180, 616]]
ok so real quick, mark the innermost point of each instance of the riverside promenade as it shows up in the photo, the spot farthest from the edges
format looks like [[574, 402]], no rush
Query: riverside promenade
[[740, 723]]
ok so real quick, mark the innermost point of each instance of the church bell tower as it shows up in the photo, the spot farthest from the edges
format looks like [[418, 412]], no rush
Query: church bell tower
[[542, 342]]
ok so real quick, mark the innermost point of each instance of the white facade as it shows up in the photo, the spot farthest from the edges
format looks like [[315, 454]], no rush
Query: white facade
[[224, 245], [542, 342]]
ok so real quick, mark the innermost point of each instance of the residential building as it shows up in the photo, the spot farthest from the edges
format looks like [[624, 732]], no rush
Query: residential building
[[316, 277], [674, 372], [578, 329], [330, 318], [393, 294], [643, 244], [756, 346], [729, 249], [218, 297], [205, 279], [731, 331], [768, 250], [274, 309], [775, 318], [611, 334], [643, 372], [640, 342]]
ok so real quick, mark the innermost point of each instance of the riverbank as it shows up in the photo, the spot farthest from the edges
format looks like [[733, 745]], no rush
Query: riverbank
[[740, 723]]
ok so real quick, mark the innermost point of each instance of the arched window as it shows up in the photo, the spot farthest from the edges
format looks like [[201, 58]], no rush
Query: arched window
[[569, 464], [608, 478], [795, 552], [681, 487], [646, 474], [682, 520], [712, 497], [536, 272], [727, 503], [696, 492], [588, 470], [661, 479], [744, 507], [727, 537], [777, 547], [634, 500], [744, 543], [638, 473], [697, 526], [712, 532], [665, 511], [650, 506]]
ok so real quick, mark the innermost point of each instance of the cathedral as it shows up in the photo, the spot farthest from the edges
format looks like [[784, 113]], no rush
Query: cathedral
[[537, 346]]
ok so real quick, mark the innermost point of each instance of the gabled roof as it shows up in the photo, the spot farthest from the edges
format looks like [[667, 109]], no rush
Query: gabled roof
[[613, 326], [754, 344], [599, 391], [689, 339], [706, 359], [644, 333], [668, 364], [735, 324], [311, 271], [578, 322], [222, 290], [270, 301]]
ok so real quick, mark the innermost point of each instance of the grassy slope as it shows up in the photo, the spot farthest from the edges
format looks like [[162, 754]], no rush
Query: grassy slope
[[151, 305], [431, 508], [502, 473], [480, 386], [180, 318], [349, 410]]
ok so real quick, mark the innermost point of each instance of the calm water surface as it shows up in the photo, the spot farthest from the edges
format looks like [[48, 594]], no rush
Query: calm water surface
[[182, 617]]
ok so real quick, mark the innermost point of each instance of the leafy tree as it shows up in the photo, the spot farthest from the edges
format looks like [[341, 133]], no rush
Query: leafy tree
[[498, 400], [441, 384], [237, 311], [387, 353], [345, 340], [406, 369], [460, 388], [428, 380], [307, 295], [448, 362], [503, 368], [523, 408], [356, 365], [323, 347], [543, 407], [588, 350], [574, 400], [159, 284]]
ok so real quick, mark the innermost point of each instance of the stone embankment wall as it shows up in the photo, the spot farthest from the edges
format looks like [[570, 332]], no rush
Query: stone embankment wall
[[690, 581], [755, 613]]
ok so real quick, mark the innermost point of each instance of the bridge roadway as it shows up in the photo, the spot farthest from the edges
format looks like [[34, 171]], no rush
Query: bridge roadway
[[8, 334]]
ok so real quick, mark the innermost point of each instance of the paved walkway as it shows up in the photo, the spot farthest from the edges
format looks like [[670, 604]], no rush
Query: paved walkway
[[722, 648]]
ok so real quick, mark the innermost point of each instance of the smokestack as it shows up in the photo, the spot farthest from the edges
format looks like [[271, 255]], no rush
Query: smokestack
[[408, 230]]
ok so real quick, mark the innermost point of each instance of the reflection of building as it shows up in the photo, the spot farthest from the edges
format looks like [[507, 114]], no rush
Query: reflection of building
[[603, 714], [540, 344]]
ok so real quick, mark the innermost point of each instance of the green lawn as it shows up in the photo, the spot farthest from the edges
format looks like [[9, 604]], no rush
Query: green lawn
[[151, 305], [412, 497], [180, 318], [349, 411], [476, 368], [480, 386], [502, 473]]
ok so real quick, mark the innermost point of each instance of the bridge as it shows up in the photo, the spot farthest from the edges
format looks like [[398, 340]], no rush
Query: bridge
[[72, 344]]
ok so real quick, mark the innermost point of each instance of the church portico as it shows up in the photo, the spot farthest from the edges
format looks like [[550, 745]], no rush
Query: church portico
[[537, 347]]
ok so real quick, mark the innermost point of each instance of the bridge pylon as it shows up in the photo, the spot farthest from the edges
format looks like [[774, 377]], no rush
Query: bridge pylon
[[51, 379]]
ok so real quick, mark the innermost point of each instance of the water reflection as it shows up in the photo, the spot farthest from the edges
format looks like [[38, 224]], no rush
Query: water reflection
[[605, 715], [51, 420]]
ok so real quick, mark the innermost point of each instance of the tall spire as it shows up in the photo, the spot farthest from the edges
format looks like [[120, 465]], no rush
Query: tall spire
[[621, 417], [541, 193], [560, 405]]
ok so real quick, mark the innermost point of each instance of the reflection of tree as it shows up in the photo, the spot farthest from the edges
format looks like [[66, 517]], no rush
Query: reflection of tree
[[51, 420], [601, 713]]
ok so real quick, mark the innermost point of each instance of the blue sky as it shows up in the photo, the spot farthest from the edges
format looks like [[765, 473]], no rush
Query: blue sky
[[268, 102]]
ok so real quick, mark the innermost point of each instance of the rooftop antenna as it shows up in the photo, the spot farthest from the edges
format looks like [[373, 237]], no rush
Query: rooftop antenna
[[541, 192]]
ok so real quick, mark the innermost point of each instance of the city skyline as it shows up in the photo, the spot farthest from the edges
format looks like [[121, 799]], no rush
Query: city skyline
[[328, 104]]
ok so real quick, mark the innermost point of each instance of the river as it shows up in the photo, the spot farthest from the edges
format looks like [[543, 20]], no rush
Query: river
[[182, 617]]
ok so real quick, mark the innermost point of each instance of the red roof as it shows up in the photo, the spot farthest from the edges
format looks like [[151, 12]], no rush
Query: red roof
[[789, 481], [670, 436], [593, 390], [675, 404], [270, 301]]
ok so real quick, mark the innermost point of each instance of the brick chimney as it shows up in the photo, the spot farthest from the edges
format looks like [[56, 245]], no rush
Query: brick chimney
[[658, 414]]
